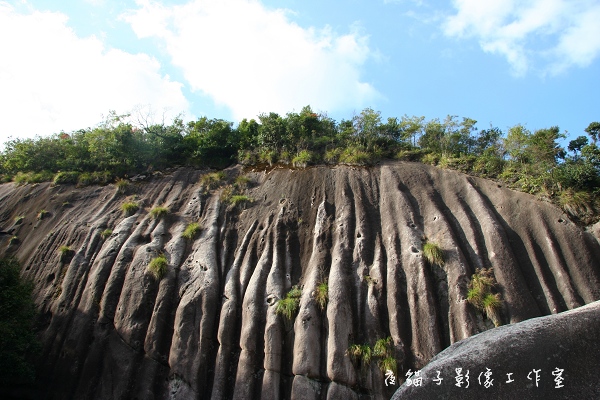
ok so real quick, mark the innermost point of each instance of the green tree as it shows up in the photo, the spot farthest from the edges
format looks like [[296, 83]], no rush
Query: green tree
[[593, 130], [17, 340]]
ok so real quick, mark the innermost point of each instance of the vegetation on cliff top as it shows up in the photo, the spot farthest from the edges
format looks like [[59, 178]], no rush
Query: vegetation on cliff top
[[533, 162]]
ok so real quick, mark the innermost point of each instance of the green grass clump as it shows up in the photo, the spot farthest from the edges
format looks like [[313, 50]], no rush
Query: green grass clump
[[19, 219], [242, 182], [433, 253], [303, 159], [240, 200], [65, 252], [158, 267], [288, 306], [388, 363], [42, 214], [129, 208], [213, 180], [321, 294], [122, 185], [577, 204], [105, 234], [66, 177], [191, 231], [479, 294], [159, 212], [22, 178]]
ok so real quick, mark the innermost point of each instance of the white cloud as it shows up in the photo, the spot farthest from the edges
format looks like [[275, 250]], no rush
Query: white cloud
[[560, 33], [53, 80], [252, 59]]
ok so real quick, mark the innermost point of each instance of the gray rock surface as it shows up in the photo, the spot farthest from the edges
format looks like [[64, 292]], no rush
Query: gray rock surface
[[208, 328], [530, 354]]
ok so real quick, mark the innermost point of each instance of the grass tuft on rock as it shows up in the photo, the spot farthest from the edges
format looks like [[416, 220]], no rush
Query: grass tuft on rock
[[479, 294], [159, 212], [288, 306], [129, 208], [321, 294], [191, 231], [105, 234], [433, 253], [158, 267]]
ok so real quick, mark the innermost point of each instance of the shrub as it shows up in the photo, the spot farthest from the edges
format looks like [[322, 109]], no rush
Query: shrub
[[247, 157], [122, 185], [303, 159], [321, 294], [433, 253], [18, 344], [577, 204], [388, 363], [479, 294], [267, 156], [332, 156], [158, 267], [129, 208], [42, 214], [159, 212], [488, 166], [242, 182], [19, 219], [356, 155], [85, 179], [212, 180], [383, 347], [240, 200], [22, 178], [410, 155], [105, 234], [191, 231], [431, 159], [66, 177], [288, 306]]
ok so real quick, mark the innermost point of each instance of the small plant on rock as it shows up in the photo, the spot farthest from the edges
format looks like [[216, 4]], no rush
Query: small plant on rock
[[321, 294], [65, 252], [480, 295], [106, 234], [129, 208], [433, 253], [19, 219], [212, 180], [240, 200], [13, 240], [158, 267], [191, 231], [122, 185], [42, 214], [159, 212], [288, 306]]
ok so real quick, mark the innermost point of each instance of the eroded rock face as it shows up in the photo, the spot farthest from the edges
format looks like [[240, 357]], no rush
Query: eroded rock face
[[552, 357], [208, 328]]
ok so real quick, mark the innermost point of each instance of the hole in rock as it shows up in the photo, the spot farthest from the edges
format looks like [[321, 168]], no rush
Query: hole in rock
[[414, 249], [50, 278], [358, 235], [560, 220]]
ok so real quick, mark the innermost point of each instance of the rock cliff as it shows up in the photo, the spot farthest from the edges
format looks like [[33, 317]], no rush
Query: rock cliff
[[209, 328]]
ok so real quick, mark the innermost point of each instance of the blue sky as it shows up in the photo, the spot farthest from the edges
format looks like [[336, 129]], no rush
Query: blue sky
[[65, 64]]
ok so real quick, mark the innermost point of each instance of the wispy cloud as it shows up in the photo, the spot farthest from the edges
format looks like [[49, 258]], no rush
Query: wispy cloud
[[558, 33], [53, 80], [253, 59]]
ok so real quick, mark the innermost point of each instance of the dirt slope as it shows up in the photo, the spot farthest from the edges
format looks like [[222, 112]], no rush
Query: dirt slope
[[209, 329]]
